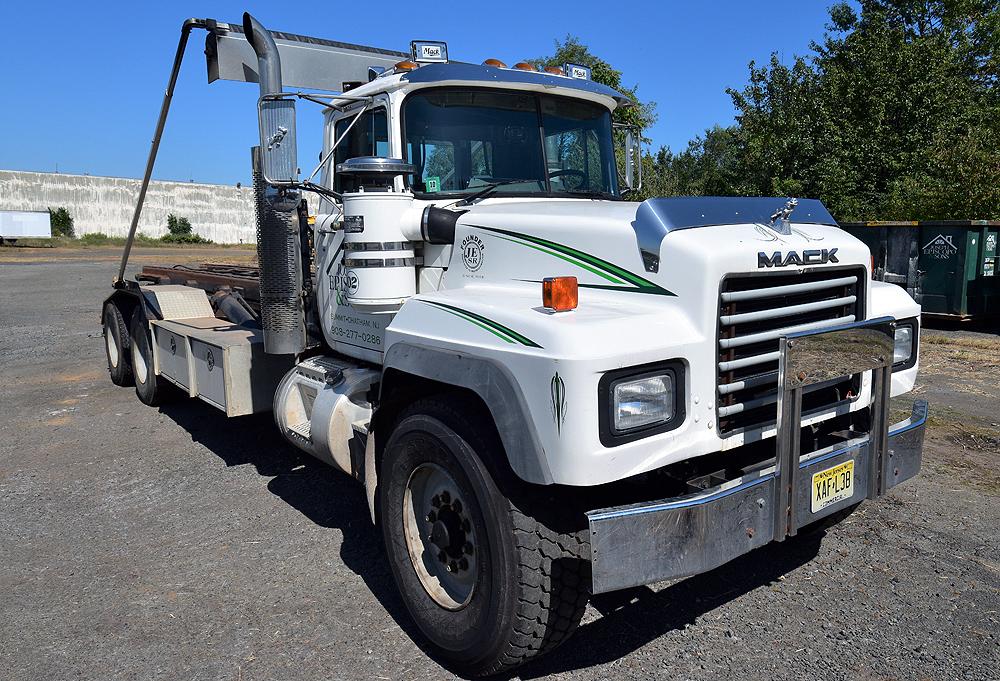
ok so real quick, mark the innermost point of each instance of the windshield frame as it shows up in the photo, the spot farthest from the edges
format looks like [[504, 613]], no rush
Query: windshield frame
[[501, 192]]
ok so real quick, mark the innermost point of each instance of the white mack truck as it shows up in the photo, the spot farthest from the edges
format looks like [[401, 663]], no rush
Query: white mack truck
[[548, 390]]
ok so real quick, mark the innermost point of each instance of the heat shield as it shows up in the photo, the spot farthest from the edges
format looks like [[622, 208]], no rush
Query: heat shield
[[306, 63]]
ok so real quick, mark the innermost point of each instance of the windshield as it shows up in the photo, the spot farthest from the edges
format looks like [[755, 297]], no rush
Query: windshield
[[463, 139]]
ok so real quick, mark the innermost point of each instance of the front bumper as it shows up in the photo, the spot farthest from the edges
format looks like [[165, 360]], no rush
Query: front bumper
[[672, 538], [645, 543]]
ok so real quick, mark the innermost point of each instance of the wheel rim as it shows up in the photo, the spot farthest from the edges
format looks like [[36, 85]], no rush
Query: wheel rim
[[139, 367], [109, 339], [440, 537]]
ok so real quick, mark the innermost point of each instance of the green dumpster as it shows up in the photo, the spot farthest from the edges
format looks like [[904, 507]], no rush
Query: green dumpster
[[950, 267]]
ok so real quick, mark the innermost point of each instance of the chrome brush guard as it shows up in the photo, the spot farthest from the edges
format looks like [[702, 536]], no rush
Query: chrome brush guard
[[678, 537]]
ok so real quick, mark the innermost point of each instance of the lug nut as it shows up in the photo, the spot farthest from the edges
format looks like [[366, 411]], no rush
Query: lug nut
[[466, 525], [431, 517], [452, 566], [445, 497], [436, 501], [467, 548], [463, 564]]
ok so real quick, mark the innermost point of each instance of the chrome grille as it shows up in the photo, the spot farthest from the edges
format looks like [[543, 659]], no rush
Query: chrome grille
[[755, 311]]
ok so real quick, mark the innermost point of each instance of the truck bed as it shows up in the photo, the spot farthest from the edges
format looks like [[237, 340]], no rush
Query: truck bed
[[210, 277]]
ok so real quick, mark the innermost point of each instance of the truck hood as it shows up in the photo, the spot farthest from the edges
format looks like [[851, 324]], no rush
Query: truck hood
[[599, 243]]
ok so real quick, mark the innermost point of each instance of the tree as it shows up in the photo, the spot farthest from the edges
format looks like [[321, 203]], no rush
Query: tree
[[180, 232], [711, 165], [61, 221], [571, 51], [896, 115], [178, 226]]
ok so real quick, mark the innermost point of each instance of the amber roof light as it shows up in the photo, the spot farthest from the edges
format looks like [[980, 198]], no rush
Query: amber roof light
[[525, 66], [495, 62], [554, 70], [406, 65]]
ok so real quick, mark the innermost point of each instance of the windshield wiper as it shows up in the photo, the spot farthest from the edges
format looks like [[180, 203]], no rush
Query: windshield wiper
[[589, 193], [491, 187]]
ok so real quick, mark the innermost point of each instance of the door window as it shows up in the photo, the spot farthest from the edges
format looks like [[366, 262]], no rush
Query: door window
[[368, 137]]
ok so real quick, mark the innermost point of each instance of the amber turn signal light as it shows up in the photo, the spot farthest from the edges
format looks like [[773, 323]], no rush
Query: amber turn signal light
[[560, 294]]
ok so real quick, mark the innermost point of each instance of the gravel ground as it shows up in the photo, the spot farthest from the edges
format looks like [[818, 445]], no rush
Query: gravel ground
[[173, 544]]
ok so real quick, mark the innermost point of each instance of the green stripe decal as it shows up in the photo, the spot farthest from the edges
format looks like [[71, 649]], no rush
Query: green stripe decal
[[627, 281], [603, 275], [496, 328]]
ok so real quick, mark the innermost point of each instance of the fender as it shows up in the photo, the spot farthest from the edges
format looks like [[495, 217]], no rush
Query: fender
[[497, 388]]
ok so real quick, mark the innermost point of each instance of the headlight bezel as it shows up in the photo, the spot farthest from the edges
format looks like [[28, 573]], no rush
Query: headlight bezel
[[914, 326], [610, 437]]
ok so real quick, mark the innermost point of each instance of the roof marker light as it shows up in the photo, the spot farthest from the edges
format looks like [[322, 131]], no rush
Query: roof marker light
[[428, 51], [405, 65], [525, 66], [577, 71], [555, 70], [560, 294], [495, 62]]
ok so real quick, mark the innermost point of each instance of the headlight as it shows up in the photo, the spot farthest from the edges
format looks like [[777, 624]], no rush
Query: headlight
[[904, 350], [903, 347], [642, 402]]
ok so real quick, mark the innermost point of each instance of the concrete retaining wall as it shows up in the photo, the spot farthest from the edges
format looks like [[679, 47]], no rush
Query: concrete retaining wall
[[222, 213]]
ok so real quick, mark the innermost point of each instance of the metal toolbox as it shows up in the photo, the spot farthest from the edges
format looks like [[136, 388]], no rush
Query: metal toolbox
[[222, 363]]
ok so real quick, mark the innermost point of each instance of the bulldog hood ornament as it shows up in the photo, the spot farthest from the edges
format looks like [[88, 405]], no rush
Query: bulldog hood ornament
[[779, 220]]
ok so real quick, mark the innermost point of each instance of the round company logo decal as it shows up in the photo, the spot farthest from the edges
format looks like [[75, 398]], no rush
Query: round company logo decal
[[472, 252], [350, 282], [345, 281]]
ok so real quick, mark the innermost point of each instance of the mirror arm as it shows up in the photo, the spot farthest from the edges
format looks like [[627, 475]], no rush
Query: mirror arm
[[336, 143]]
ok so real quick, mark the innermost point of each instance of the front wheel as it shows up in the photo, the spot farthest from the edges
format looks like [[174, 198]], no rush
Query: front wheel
[[490, 586]]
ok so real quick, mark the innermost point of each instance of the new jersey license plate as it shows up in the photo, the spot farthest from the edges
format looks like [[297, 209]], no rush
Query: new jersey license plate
[[832, 485]]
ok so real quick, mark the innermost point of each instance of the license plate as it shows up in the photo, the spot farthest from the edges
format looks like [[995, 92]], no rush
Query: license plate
[[832, 485]]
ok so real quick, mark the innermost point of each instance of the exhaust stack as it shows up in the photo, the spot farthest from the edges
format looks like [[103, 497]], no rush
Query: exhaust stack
[[278, 244], [268, 59]]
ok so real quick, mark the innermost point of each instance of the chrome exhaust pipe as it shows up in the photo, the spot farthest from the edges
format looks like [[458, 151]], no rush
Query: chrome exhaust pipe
[[278, 223], [268, 59]]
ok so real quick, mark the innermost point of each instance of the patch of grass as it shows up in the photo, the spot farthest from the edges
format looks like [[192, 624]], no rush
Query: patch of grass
[[967, 447], [962, 341], [184, 238], [36, 243], [97, 240]]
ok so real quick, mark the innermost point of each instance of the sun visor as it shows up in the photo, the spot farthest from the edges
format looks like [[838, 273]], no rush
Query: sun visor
[[306, 63]]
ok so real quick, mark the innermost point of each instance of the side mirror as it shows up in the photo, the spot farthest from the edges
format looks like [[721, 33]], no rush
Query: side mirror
[[277, 141], [633, 160]]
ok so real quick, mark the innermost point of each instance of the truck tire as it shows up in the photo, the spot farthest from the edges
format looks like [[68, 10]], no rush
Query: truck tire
[[149, 387], [117, 346], [488, 585]]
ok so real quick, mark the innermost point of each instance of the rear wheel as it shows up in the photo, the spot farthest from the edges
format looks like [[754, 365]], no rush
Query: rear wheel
[[117, 345], [149, 387], [490, 586]]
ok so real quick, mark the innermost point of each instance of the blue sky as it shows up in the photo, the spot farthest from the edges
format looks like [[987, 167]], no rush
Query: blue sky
[[82, 82]]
